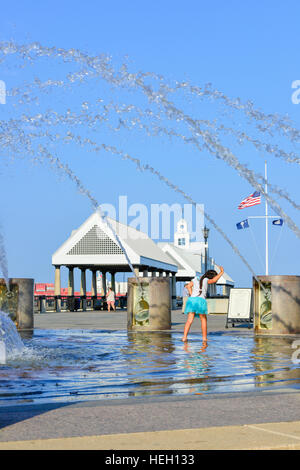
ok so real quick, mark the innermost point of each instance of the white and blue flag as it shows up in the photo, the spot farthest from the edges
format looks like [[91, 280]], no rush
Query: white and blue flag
[[277, 222], [243, 224]]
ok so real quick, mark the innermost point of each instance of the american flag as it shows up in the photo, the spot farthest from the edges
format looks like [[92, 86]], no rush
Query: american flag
[[251, 200]]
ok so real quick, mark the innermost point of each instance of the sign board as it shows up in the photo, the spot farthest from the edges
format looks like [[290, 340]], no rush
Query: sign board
[[239, 307]]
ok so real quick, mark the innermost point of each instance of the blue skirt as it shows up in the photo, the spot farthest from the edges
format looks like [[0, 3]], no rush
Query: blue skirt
[[196, 305]]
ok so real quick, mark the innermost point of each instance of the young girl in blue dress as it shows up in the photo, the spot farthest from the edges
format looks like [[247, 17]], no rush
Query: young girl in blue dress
[[196, 303]]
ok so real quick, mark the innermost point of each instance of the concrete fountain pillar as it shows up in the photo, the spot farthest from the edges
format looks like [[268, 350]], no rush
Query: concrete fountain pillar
[[18, 301], [149, 304], [25, 304], [276, 305]]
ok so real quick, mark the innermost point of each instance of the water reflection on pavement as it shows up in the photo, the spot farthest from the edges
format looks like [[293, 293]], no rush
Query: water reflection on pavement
[[72, 365]]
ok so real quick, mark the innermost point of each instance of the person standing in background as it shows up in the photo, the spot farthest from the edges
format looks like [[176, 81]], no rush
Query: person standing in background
[[185, 296], [110, 299]]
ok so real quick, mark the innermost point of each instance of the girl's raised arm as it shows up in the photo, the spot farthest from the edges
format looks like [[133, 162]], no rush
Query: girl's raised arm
[[217, 277]]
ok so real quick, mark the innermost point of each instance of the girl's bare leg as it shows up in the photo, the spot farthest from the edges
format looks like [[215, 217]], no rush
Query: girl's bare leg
[[204, 327], [187, 326]]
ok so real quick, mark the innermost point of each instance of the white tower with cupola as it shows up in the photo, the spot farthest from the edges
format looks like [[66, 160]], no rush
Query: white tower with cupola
[[182, 235]]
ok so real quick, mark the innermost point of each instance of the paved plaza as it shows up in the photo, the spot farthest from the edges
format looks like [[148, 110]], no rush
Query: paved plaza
[[264, 419]]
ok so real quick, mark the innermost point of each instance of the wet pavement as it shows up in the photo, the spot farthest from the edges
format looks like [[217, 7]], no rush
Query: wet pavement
[[237, 380]]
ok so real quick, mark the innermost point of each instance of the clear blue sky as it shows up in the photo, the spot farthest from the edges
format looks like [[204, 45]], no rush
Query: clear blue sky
[[246, 49]]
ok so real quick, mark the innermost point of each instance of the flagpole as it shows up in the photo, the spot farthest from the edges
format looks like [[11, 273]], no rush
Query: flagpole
[[266, 216]]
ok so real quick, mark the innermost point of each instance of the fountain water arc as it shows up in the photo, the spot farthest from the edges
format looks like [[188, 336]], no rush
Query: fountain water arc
[[180, 366], [158, 97]]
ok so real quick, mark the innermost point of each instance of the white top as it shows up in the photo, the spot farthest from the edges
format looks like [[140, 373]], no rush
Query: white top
[[110, 296], [196, 288]]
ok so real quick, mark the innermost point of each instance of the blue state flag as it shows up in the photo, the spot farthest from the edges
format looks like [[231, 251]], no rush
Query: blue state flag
[[243, 224], [277, 222]]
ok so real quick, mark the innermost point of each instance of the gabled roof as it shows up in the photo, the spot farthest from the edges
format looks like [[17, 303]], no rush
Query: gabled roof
[[95, 243], [189, 263]]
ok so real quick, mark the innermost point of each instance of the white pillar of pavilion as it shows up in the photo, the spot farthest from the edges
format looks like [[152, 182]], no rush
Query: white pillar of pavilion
[[104, 283], [174, 303], [113, 281], [94, 283], [83, 288], [57, 281], [57, 289], [71, 281]]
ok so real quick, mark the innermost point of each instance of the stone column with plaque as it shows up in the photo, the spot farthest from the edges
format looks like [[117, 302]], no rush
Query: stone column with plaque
[[18, 301], [276, 305], [149, 304]]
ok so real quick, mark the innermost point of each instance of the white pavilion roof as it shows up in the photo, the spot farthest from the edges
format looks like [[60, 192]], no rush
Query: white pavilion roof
[[94, 243], [190, 263]]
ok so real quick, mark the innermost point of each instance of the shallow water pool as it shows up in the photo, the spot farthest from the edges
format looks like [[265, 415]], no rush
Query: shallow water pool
[[80, 365]]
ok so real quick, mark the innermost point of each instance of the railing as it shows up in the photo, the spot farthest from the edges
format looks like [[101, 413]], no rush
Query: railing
[[47, 303]]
